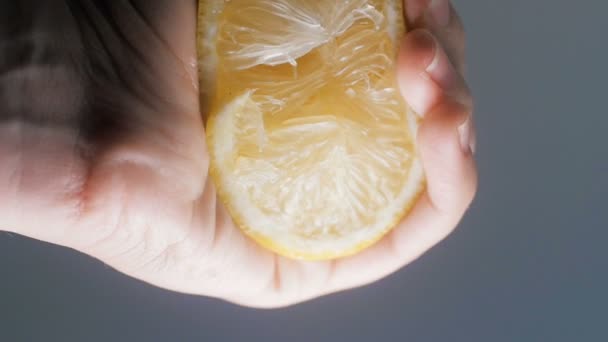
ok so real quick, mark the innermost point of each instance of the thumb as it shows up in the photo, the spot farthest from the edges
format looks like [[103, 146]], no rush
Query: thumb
[[434, 89]]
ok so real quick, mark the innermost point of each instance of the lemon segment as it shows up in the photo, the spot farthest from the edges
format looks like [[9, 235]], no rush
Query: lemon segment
[[313, 150]]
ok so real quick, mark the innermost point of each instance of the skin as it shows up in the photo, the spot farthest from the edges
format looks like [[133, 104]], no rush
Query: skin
[[102, 149]]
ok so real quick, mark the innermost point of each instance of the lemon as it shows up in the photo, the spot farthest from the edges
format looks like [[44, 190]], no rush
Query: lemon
[[313, 150]]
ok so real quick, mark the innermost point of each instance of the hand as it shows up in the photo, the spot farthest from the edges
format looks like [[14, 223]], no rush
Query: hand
[[102, 150]]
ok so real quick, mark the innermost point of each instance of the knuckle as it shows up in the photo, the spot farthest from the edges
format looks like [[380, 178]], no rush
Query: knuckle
[[458, 102], [420, 46]]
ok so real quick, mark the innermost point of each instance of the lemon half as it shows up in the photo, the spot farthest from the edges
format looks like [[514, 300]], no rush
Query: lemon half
[[313, 150]]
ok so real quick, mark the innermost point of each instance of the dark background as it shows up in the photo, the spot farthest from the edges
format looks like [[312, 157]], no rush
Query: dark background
[[528, 263]]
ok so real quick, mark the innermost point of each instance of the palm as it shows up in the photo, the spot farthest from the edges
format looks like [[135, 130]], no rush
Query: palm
[[135, 158], [120, 171]]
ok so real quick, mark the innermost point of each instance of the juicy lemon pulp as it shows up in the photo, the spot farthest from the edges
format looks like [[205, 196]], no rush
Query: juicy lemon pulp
[[312, 147]]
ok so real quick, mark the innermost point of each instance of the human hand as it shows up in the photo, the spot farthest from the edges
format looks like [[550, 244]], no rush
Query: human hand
[[102, 150]]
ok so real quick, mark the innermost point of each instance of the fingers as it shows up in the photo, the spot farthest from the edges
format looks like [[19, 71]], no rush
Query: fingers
[[427, 75], [441, 19], [436, 90], [447, 158]]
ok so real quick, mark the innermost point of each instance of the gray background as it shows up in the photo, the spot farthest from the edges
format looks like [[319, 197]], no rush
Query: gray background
[[528, 262]]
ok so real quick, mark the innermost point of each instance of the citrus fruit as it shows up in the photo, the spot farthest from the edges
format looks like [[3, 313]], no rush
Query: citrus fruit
[[312, 147]]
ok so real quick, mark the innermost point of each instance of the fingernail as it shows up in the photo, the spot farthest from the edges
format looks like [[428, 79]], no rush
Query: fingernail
[[465, 133], [440, 69], [440, 11], [416, 86]]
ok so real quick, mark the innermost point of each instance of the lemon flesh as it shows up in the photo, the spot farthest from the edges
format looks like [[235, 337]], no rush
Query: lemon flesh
[[312, 146]]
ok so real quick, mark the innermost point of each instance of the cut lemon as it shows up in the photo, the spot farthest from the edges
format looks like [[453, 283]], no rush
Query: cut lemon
[[312, 147]]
